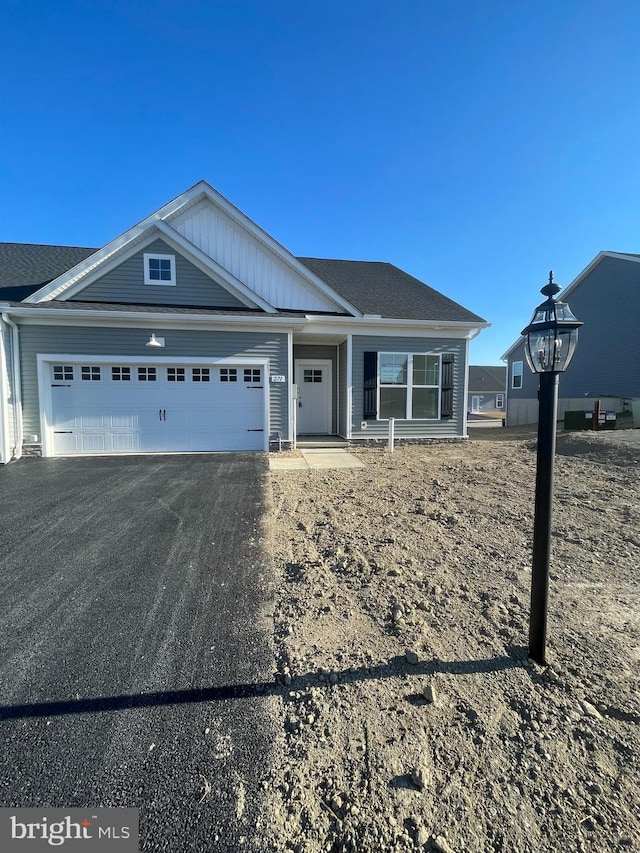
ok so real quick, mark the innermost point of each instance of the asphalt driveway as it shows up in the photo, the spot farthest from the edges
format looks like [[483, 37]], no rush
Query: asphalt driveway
[[135, 660]]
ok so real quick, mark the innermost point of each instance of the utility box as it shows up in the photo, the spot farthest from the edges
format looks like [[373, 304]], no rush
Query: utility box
[[584, 420], [576, 421]]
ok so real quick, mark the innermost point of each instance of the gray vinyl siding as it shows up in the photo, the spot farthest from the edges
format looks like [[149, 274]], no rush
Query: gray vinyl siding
[[126, 284], [343, 383], [606, 362], [607, 358], [448, 428], [8, 383], [325, 352], [487, 403], [62, 340], [529, 380]]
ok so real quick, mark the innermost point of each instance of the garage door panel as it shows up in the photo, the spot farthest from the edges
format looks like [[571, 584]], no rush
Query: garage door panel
[[159, 408]]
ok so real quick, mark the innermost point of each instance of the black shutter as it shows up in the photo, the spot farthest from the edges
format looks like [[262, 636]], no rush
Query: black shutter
[[370, 386], [446, 389]]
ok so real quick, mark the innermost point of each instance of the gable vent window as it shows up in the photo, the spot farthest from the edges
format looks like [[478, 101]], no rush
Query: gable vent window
[[62, 373], [121, 374], [160, 269], [228, 374], [90, 374], [200, 374]]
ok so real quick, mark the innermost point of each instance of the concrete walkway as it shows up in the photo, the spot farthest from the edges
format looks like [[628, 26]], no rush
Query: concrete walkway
[[315, 458]]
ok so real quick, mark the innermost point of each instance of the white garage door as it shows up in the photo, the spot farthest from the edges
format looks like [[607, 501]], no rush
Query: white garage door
[[129, 408]]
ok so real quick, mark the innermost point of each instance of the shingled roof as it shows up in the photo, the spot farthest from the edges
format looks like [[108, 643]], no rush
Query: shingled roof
[[376, 287], [26, 267], [373, 287], [489, 379]]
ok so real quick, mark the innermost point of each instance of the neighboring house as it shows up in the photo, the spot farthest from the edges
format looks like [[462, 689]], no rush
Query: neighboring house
[[196, 331], [606, 363], [487, 390]]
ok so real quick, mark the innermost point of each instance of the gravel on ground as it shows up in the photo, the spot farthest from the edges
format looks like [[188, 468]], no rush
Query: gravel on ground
[[412, 718]]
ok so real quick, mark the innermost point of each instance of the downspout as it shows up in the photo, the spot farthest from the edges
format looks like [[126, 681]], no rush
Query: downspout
[[470, 338], [17, 390], [5, 452]]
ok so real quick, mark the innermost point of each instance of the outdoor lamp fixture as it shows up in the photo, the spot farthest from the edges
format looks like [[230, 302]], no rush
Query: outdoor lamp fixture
[[549, 343], [155, 342]]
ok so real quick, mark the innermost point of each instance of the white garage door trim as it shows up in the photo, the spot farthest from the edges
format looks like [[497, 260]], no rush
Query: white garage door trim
[[46, 360]]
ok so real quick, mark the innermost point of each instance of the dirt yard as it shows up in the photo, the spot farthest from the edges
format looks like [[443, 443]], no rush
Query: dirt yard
[[412, 717]]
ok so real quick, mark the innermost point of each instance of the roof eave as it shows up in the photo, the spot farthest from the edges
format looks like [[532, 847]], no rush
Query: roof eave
[[156, 317]]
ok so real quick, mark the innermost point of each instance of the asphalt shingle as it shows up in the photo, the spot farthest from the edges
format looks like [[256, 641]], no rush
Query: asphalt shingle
[[373, 287], [376, 287], [25, 267]]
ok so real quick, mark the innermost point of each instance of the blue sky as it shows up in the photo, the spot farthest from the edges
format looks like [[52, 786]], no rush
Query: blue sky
[[474, 144]]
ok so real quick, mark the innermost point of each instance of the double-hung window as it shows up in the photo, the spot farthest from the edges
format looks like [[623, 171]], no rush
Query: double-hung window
[[409, 386], [516, 374]]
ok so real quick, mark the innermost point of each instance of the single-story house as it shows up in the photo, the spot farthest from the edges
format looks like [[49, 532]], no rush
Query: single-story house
[[195, 330], [487, 390], [605, 296]]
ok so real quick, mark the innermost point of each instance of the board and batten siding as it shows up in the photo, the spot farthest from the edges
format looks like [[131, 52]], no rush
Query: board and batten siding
[[343, 384], [327, 353], [60, 340], [250, 261], [448, 428], [125, 283]]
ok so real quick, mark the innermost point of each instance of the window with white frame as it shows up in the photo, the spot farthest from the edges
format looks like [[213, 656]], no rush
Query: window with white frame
[[90, 373], [121, 374], [228, 374], [147, 374], [409, 386], [499, 401], [200, 374], [62, 372], [159, 269], [175, 374], [516, 374]]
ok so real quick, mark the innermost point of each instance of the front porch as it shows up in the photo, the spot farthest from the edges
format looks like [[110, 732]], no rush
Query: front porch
[[316, 442]]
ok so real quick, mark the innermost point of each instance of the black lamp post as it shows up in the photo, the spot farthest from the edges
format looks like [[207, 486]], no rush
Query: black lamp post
[[550, 341]]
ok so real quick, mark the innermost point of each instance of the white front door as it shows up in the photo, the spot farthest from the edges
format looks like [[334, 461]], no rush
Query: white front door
[[313, 378], [475, 405]]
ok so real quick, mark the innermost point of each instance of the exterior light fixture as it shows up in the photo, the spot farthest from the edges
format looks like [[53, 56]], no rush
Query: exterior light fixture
[[155, 342], [549, 343], [552, 334]]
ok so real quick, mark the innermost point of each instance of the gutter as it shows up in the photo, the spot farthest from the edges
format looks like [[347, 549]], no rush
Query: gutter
[[16, 452], [157, 318]]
